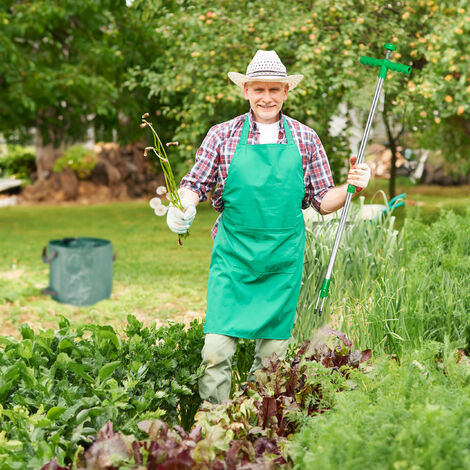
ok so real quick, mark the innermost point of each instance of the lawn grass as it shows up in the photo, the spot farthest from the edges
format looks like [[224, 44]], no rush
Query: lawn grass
[[154, 278], [425, 202]]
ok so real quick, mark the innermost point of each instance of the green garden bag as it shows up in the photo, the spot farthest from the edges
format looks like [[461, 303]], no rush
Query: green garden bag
[[81, 270]]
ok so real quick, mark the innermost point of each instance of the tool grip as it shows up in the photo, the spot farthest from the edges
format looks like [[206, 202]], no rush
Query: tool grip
[[399, 67], [371, 61]]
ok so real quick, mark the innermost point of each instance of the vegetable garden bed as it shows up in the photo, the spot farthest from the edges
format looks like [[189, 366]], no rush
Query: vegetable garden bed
[[61, 390]]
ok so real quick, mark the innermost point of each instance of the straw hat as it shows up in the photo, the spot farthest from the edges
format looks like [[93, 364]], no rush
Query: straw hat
[[265, 67]]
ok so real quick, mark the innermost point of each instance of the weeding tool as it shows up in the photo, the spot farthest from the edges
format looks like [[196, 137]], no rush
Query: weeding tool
[[384, 65]]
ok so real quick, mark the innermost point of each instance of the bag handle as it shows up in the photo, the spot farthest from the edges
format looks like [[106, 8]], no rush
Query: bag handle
[[49, 291], [53, 254]]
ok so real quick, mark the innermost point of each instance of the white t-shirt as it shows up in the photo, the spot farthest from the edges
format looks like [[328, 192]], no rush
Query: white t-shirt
[[269, 133]]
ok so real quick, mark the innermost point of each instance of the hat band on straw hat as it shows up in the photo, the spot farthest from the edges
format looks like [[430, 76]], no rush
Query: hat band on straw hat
[[262, 73]]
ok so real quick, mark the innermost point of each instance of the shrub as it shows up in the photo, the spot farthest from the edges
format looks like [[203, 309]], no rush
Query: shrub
[[19, 162], [79, 159]]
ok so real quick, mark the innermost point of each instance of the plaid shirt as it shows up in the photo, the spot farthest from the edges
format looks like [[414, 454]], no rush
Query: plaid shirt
[[216, 151]]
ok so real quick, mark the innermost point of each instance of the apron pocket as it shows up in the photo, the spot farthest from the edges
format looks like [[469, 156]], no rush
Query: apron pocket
[[264, 251]]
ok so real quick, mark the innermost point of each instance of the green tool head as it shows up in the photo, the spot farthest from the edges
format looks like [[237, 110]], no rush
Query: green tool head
[[385, 64]]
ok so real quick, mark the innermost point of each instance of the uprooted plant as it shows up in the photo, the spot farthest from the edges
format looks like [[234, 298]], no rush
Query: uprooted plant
[[171, 189]]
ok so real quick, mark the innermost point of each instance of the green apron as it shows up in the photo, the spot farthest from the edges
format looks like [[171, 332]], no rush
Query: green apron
[[257, 258]]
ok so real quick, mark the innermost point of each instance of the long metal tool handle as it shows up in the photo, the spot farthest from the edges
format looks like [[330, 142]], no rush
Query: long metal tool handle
[[350, 192]]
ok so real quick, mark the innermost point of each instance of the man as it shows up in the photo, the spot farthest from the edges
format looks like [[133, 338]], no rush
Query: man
[[265, 168]]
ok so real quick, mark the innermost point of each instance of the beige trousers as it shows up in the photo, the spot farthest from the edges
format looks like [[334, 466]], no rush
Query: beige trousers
[[217, 353]]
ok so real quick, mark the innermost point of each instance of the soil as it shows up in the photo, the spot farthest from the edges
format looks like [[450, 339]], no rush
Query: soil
[[120, 174]]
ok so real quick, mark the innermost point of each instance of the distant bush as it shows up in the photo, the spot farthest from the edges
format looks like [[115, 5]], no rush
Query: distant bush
[[79, 159], [19, 162]]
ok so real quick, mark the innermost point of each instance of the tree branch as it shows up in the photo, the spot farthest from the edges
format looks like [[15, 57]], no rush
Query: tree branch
[[386, 7], [401, 131]]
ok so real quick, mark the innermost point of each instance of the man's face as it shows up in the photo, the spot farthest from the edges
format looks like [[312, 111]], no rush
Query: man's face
[[266, 99]]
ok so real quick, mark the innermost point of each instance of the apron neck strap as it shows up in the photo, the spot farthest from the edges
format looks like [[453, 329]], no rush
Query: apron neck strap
[[287, 131], [244, 134], [246, 127]]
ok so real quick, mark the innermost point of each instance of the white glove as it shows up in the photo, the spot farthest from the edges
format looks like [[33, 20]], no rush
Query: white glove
[[179, 222], [359, 175]]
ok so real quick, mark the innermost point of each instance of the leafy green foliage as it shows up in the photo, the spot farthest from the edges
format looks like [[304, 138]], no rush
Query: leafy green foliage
[[247, 432], [62, 67], [189, 77], [438, 91], [241, 363], [19, 162], [79, 159], [58, 388]]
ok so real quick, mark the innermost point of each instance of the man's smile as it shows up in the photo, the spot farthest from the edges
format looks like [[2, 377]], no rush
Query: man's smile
[[266, 99]]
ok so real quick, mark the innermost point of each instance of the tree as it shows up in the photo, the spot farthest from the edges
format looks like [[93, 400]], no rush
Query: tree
[[58, 70], [323, 40], [67, 65], [432, 108], [440, 92], [204, 42]]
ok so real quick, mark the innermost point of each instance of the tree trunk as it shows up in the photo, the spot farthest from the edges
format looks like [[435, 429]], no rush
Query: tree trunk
[[393, 169], [46, 155], [393, 162], [393, 145]]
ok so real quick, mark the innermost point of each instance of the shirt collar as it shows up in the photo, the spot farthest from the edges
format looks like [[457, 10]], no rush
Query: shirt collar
[[254, 127]]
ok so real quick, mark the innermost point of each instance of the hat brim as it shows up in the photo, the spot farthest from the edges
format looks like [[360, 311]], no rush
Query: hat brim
[[240, 79]]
